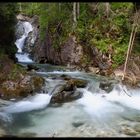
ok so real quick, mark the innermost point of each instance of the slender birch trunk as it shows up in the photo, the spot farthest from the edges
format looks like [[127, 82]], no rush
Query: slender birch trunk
[[78, 9], [74, 15]]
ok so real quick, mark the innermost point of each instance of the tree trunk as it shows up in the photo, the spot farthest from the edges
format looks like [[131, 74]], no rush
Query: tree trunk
[[78, 9], [128, 51], [131, 42], [20, 9], [107, 5], [74, 12], [59, 6]]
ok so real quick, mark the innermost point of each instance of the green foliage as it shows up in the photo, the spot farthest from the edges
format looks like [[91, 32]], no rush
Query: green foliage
[[102, 31], [57, 21], [15, 72], [29, 8], [8, 13], [51, 15], [93, 27]]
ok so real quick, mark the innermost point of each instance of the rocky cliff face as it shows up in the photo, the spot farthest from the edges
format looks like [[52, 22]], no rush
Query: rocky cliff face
[[72, 54], [69, 53]]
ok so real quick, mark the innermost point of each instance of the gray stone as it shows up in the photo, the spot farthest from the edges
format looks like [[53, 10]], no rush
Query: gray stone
[[77, 123]]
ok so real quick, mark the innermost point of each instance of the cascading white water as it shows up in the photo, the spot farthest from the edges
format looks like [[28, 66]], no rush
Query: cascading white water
[[37, 102], [20, 55], [23, 57], [124, 97]]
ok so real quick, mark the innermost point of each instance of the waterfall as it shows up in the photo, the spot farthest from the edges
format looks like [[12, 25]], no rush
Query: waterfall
[[20, 55]]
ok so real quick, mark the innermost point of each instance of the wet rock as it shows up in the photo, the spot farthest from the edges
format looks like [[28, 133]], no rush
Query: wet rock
[[19, 29], [65, 96], [72, 82], [30, 41], [65, 77], [94, 69], [32, 67], [137, 128], [129, 131], [79, 83], [68, 92], [77, 123], [107, 86]]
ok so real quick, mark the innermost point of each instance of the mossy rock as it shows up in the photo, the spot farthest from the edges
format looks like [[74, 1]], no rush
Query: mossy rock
[[37, 82], [65, 96], [79, 83], [67, 92], [22, 87]]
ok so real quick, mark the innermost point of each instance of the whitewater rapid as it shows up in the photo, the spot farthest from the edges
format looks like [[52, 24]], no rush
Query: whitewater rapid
[[36, 102], [97, 112]]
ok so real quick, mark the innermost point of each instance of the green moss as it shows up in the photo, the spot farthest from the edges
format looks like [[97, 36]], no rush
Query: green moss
[[15, 72], [8, 13]]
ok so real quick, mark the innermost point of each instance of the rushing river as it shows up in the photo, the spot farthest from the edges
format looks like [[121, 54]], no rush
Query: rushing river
[[96, 114]]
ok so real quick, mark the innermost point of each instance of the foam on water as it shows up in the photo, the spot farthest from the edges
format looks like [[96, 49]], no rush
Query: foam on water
[[23, 57], [36, 102], [96, 105], [20, 42], [5, 117], [60, 72], [127, 98]]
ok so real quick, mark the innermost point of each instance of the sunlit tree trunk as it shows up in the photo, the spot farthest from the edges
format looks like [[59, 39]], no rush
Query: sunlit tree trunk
[[59, 6], [20, 9], [131, 42], [74, 12], [74, 15], [107, 6], [78, 9]]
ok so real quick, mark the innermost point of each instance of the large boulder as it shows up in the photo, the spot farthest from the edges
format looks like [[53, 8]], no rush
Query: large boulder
[[68, 91], [106, 86]]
